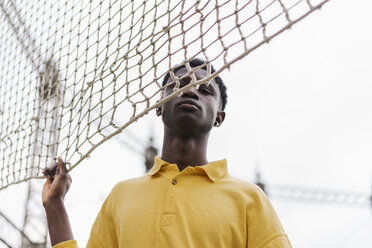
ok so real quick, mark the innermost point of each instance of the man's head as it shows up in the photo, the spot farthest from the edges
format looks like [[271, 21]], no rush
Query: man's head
[[198, 62], [196, 111]]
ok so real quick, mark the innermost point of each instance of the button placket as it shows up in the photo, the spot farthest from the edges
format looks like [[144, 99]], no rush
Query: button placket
[[168, 217]]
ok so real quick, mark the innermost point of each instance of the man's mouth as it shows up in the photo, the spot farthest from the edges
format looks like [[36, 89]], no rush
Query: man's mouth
[[188, 105]]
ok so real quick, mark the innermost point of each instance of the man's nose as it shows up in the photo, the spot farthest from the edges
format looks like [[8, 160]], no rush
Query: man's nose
[[192, 93]]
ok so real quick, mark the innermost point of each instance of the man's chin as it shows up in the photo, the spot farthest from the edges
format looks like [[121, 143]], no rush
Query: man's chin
[[189, 118], [188, 125]]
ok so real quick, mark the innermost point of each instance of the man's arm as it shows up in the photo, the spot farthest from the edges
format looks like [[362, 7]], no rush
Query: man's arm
[[263, 224], [54, 191]]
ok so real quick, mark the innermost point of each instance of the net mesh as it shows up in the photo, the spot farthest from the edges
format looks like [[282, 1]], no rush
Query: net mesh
[[75, 73]]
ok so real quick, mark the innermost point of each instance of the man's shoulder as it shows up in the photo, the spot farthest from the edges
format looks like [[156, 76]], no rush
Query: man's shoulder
[[129, 184], [240, 185], [228, 179], [133, 181]]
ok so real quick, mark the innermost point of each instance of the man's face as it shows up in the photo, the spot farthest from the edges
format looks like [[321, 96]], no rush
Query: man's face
[[196, 110]]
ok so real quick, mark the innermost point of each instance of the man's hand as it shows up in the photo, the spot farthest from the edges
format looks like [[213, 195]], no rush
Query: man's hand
[[57, 184], [54, 191]]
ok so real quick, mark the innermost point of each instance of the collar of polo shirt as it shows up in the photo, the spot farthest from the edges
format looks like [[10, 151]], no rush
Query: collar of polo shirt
[[214, 170]]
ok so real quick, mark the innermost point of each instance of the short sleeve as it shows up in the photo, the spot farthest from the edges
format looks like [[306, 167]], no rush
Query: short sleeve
[[103, 233], [278, 242], [263, 225], [67, 244]]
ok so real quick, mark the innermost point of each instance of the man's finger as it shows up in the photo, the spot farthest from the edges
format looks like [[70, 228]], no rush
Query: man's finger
[[61, 166], [50, 170], [49, 180]]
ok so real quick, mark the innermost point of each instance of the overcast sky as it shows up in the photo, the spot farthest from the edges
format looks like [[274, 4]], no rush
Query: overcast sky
[[299, 110]]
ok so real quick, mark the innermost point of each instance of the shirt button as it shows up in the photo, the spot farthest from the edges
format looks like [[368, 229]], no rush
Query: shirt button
[[174, 181]]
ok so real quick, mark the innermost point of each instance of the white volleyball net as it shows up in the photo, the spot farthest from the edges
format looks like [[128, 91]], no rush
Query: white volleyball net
[[75, 73]]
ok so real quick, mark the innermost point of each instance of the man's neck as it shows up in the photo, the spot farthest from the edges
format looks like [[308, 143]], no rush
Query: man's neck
[[184, 152]]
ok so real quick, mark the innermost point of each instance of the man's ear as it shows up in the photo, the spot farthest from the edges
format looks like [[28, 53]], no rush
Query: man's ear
[[219, 118], [158, 111]]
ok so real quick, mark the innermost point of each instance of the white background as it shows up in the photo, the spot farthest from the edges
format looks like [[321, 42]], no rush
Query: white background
[[299, 109]]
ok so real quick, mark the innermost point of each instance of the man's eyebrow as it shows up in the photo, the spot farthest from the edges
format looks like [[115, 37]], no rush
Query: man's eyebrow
[[188, 76], [210, 87]]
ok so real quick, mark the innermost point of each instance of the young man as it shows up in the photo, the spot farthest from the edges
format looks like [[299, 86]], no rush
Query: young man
[[184, 201]]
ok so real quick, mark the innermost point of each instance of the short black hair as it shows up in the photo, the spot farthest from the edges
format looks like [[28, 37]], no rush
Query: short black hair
[[198, 62]]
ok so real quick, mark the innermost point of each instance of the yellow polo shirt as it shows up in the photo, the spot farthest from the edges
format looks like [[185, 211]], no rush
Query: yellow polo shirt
[[200, 206]]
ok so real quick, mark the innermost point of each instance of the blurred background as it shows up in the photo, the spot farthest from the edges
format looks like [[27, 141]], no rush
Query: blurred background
[[298, 122]]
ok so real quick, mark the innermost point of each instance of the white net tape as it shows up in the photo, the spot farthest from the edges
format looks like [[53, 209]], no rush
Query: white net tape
[[75, 73]]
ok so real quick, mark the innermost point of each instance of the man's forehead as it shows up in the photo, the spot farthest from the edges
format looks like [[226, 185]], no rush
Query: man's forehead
[[199, 74]]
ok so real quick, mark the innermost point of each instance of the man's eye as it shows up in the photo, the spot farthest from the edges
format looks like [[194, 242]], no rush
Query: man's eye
[[173, 85], [205, 90]]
